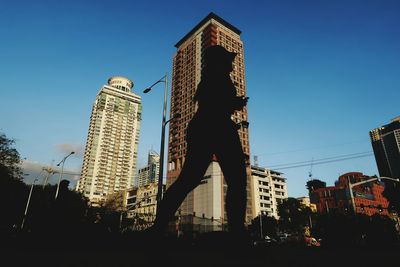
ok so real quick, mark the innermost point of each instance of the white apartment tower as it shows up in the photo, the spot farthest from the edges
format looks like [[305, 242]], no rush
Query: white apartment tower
[[270, 189], [109, 163]]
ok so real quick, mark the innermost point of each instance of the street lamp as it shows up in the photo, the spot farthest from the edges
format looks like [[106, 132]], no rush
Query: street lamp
[[62, 172], [163, 79], [27, 202], [364, 182]]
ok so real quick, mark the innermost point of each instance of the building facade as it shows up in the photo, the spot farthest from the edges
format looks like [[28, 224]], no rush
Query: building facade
[[386, 145], [109, 162], [149, 174], [187, 65], [305, 202], [270, 189], [368, 198], [141, 205]]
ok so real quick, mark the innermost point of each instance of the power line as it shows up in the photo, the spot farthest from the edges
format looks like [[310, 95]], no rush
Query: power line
[[325, 162], [323, 159], [312, 148]]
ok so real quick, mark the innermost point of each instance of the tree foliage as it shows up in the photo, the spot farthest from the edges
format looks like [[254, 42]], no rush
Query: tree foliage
[[13, 191], [292, 215], [9, 158], [268, 225]]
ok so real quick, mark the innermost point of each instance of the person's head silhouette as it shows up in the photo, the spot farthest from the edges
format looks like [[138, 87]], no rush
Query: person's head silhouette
[[217, 59]]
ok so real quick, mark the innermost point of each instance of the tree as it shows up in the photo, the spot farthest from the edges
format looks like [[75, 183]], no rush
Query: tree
[[269, 226], [13, 192], [292, 215], [9, 158]]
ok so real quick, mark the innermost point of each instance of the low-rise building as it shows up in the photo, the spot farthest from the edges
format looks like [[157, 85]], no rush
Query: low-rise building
[[270, 189], [305, 202], [368, 198]]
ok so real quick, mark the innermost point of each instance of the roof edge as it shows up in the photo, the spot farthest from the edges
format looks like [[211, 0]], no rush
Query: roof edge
[[211, 15]]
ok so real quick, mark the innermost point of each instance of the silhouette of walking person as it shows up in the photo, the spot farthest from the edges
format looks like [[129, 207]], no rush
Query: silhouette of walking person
[[212, 132]]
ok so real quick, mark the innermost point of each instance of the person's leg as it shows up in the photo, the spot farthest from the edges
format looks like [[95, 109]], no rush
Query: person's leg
[[231, 159], [197, 160]]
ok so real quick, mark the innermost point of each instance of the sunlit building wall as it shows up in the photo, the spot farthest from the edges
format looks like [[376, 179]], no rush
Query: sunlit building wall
[[270, 189], [109, 163]]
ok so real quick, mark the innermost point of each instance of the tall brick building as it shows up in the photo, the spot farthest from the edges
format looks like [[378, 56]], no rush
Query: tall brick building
[[208, 198]]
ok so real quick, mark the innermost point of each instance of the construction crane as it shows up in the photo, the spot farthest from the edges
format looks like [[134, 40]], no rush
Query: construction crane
[[310, 172], [255, 160], [50, 171]]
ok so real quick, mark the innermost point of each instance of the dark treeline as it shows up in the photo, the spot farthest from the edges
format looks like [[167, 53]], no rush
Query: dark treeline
[[333, 229], [70, 222]]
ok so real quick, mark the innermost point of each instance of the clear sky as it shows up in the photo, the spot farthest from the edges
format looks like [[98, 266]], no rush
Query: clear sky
[[319, 74]]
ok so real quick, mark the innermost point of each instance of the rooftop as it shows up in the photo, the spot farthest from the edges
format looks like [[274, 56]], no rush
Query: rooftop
[[205, 20]]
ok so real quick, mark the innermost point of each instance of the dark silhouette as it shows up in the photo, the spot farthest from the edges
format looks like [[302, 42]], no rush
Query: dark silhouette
[[210, 133]]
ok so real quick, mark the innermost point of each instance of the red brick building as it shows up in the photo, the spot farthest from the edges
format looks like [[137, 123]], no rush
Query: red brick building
[[368, 198]]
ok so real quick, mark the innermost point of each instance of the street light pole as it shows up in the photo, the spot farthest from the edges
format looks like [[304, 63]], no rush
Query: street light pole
[[62, 172], [261, 227], [164, 122], [27, 203]]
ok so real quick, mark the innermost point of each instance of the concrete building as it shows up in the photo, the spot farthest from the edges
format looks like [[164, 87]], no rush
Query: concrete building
[[187, 65], [141, 205], [305, 202], [109, 162], [149, 174], [386, 145], [270, 189]]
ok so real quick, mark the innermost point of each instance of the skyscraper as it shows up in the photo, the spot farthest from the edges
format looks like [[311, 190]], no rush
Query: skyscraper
[[149, 174], [187, 65], [109, 163], [386, 145]]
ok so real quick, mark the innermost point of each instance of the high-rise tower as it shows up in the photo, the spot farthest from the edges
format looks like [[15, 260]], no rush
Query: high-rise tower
[[386, 145], [149, 173], [109, 163], [208, 197]]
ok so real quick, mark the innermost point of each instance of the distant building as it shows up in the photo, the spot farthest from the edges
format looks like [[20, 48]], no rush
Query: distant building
[[109, 162], [144, 209], [368, 197], [270, 189], [386, 145], [149, 174], [305, 202]]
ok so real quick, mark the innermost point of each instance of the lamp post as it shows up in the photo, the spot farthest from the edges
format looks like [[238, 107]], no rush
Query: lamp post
[[62, 172], [353, 204], [27, 203], [163, 79], [261, 227]]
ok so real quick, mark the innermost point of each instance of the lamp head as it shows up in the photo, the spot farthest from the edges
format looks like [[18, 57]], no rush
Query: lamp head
[[72, 152], [147, 90]]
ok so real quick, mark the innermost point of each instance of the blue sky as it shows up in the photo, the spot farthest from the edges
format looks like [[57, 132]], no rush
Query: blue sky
[[319, 74]]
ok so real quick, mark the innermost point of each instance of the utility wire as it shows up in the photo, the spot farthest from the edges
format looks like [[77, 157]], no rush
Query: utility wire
[[312, 148], [323, 159], [325, 162]]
